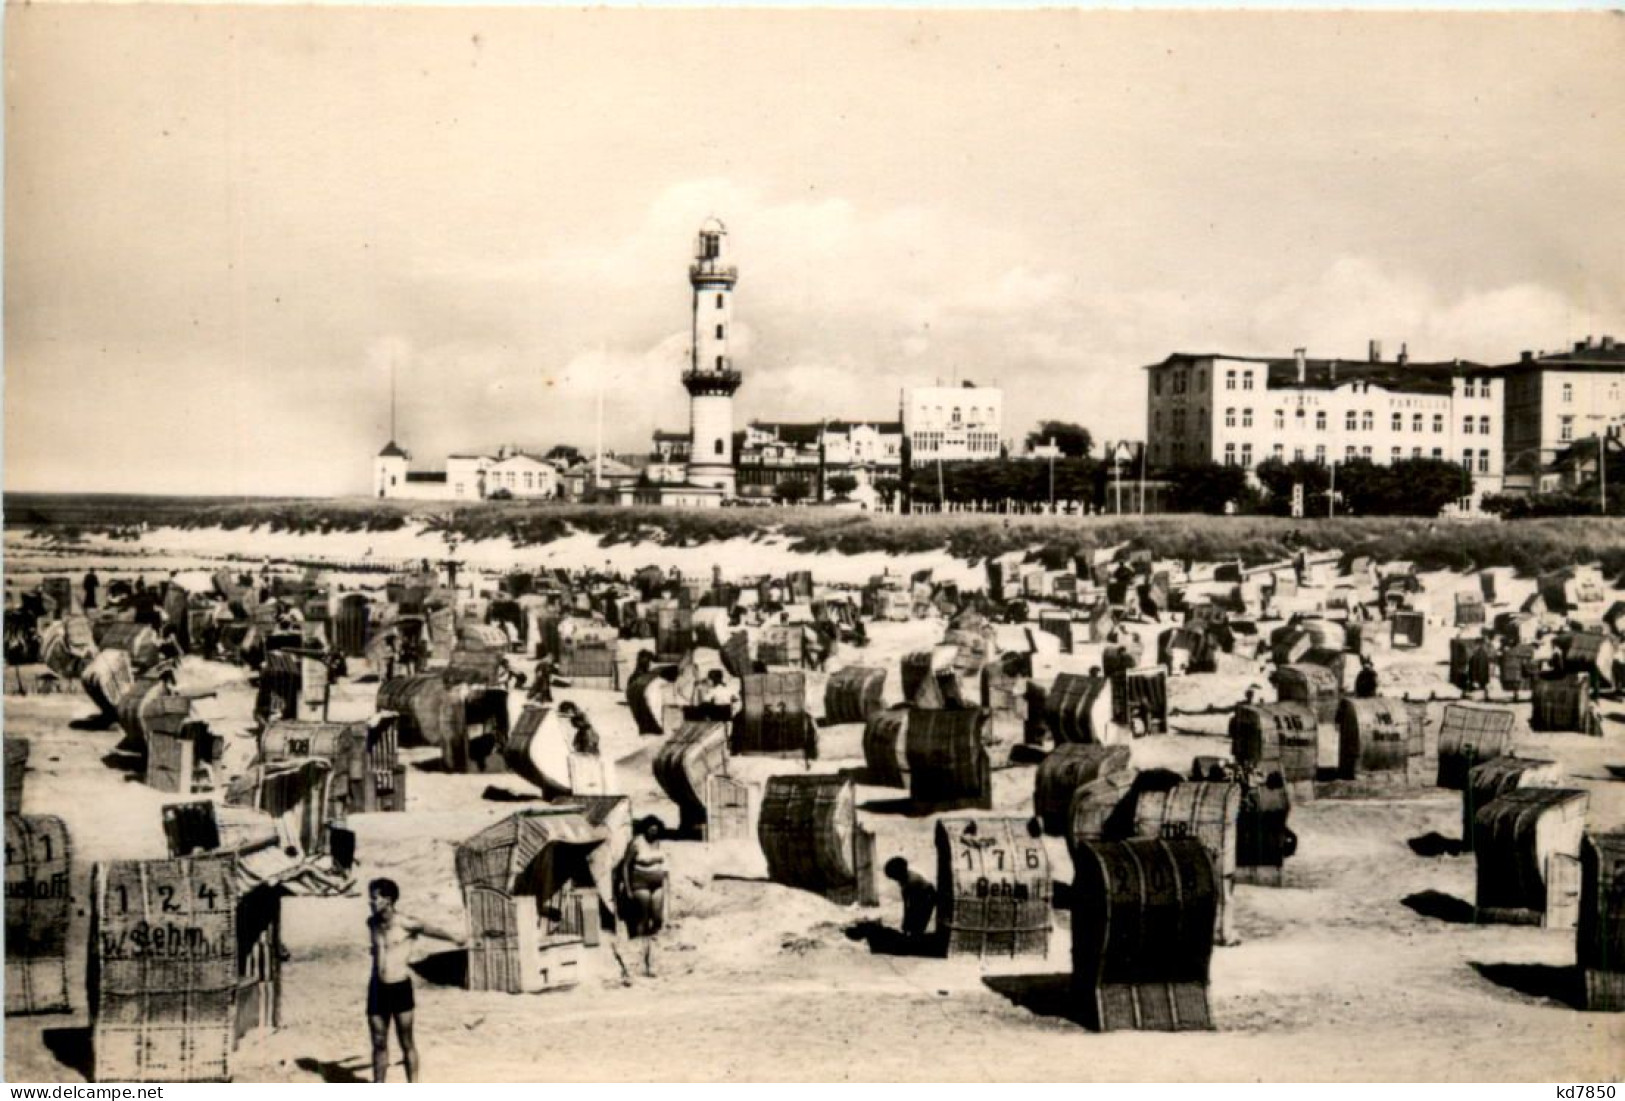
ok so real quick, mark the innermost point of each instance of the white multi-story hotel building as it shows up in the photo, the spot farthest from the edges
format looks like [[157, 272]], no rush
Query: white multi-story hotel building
[[1244, 410], [954, 422]]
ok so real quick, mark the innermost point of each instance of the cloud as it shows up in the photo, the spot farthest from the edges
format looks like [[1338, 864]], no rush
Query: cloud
[[1357, 299]]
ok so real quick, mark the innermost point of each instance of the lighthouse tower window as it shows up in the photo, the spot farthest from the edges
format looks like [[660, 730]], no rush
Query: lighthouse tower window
[[719, 363], [719, 447], [719, 301], [719, 332]]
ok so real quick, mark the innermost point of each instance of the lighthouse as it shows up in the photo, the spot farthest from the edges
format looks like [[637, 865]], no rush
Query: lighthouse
[[712, 377]]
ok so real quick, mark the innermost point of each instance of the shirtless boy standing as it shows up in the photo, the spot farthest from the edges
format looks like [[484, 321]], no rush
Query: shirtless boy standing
[[389, 995]]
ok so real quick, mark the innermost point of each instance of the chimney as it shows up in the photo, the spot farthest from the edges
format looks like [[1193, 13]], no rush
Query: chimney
[[1298, 355], [1526, 356], [1375, 352], [1581, 345], [1607, 343], [1404, 354]]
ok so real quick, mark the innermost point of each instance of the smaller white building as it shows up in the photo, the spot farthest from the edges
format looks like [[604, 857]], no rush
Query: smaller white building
[[389, 471], [467, 477], [954, 422]]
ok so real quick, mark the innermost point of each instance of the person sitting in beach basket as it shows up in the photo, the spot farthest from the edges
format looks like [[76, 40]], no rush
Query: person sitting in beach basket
[[719, 703]]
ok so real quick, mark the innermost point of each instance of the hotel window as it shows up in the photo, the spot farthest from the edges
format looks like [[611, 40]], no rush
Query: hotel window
[[1438, 452], [1416, 422], [1230, 418], [1320, 421], [1566, 431], [1416, 452], [1467, 459], [1246, 418], [529, 480], [1365, 452], [1299, 416], [1483, 426], [1393, 455], [1320, 454], [1201, 379], [1280, 420], [1229, 454], [1247, 455], [1467, 426], [1398, 423], [1350, 422], [1156, 421], [1278, 452], [1229, 380], [1438, 424], [1568, 392], [1156, 384], [1483, 462], [1367, 421], [1297, 454], [1348, 453], [1246, 380]]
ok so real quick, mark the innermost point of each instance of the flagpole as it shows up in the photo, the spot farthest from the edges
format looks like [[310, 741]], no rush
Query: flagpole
[[1142, 479], [1602, 468], [598, 462], [1052, 475]]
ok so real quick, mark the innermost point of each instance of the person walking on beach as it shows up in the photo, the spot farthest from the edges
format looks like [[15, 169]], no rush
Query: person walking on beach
[[389, 994]]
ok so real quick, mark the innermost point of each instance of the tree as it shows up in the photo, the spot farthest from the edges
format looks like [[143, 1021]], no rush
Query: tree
[[1207, 487], [1278, 478], [791, 491], [887, 487], [841, 485], [1530, 506], [1073, 440], [1008, 480], [1410, 487], [566, 454]]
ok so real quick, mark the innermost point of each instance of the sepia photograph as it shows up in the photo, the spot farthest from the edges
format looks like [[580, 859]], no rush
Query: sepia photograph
[[901, 545]]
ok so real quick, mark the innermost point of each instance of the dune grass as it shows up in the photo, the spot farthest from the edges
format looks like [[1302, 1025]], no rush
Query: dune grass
[[1529, 546]]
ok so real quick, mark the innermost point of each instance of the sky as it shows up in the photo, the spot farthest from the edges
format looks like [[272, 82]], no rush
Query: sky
[[225, 227]]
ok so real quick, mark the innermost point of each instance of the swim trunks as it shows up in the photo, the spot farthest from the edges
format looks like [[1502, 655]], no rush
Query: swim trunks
[[389, 999]]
